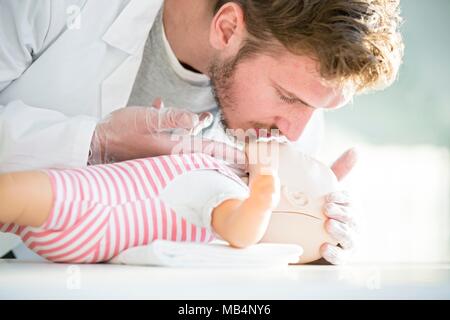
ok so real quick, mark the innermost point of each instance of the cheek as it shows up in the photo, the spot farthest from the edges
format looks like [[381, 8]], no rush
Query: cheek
[[251, 86], [253, 103]]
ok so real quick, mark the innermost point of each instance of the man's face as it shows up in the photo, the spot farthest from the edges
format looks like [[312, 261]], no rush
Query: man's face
[[272, 92]]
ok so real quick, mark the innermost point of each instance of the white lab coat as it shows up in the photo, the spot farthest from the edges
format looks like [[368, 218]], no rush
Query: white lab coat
[[64, 64], [55, 81]]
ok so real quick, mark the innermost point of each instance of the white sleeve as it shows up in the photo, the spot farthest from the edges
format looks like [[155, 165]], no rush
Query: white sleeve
[[33, 137], [195, 194]]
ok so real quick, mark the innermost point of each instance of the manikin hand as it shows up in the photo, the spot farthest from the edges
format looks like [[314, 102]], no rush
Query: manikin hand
[[342, 224], [243, 222], [139, 132]]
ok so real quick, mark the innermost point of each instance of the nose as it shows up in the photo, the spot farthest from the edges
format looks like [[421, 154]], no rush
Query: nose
[[292, 126]]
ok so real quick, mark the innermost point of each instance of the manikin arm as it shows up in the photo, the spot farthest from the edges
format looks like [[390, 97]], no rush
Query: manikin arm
[[26, 198], [243, 223]]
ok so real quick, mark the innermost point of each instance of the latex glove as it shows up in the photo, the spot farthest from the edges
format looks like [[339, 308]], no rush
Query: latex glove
[[342, 223], [139, 132]]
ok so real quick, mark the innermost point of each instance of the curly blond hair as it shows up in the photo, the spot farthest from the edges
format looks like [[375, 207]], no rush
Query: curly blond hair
[[356, 42]]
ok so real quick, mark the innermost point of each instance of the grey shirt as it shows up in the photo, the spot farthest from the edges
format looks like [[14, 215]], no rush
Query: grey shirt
[[162, 75]]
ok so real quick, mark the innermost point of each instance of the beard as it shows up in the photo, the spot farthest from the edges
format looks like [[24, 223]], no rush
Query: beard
[[222, 74]]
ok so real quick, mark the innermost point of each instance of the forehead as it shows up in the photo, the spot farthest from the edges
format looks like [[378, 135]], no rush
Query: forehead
[[300, 75]]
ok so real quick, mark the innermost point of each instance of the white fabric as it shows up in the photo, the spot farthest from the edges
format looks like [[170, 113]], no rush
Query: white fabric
[[207, 189], [57, 80], [8, 241], [220, 255]]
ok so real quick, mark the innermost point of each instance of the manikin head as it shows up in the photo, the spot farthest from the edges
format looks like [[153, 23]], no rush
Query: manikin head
[[304, 182], [274, 63]]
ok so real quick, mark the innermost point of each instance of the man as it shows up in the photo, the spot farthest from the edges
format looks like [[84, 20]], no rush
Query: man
[[253, 63]]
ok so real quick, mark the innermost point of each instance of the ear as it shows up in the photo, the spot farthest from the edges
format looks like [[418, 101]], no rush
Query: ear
[[227, 27]]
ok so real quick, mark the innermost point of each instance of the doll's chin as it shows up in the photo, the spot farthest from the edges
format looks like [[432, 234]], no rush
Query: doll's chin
[[297, 228]]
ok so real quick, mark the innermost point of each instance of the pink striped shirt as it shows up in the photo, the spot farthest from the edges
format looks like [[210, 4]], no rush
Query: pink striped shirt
[[100, 211]]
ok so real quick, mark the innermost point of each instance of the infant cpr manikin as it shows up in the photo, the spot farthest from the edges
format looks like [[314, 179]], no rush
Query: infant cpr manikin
[[299, 217]]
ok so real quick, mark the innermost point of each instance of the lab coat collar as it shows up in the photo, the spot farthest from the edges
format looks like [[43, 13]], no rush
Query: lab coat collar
[[129, 31]]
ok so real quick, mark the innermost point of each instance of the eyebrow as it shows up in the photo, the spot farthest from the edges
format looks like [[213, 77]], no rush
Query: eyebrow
[[293, 96]]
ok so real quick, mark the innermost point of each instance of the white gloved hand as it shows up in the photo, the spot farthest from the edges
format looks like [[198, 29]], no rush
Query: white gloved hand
[[139, 132], [342, 224]]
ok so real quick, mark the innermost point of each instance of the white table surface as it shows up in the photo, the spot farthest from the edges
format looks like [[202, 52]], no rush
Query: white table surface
[[21, 280]]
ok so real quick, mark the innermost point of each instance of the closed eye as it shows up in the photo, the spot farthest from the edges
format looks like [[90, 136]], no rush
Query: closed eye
[[288, 100]]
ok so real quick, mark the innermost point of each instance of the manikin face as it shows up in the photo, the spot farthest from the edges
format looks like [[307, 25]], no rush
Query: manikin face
[[272, 92], [304, 182]]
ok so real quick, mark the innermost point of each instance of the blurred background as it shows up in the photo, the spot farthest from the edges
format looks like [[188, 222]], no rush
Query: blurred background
[[402, 180]]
